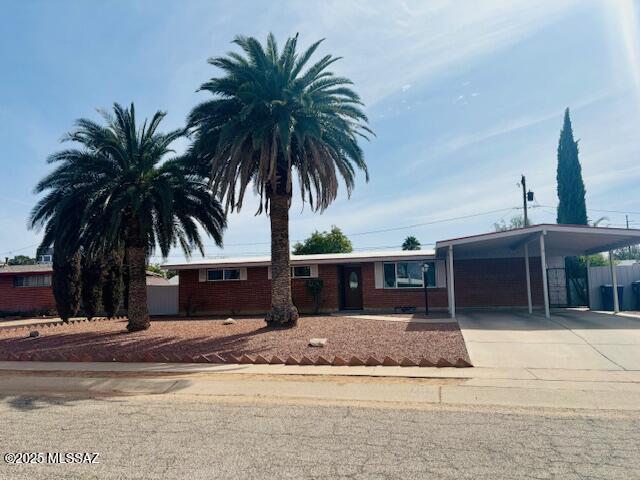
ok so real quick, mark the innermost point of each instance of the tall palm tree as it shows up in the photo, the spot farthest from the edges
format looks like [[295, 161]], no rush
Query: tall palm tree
[[126, 192], [274, 118]]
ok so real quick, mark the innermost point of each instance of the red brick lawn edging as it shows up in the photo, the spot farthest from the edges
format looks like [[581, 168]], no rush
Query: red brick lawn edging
[[248, 341]]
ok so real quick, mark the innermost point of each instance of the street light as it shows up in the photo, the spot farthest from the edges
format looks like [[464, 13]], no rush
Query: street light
[[425, 269]]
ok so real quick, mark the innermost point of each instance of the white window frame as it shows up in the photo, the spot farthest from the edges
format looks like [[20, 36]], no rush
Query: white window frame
[[313, 271], [420, 263], [224, 271], [293, 269], [45, 284]]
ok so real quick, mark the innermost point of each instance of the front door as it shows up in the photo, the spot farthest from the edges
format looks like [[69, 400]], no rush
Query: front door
[[352, 287]]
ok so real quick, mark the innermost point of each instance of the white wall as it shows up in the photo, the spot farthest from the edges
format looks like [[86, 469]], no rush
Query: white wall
[[602, 276], [162, 299]]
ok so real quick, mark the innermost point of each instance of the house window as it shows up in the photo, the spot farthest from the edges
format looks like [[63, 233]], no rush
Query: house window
[[32, 281], [303, 271], [408, 275], [223, 274]]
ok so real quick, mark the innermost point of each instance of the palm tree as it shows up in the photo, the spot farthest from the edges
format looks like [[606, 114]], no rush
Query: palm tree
[[126, 194], [411, 243], [272, 118]]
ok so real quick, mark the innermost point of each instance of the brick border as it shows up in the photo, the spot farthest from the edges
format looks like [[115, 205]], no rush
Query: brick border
[[214, 358], [53, 324]]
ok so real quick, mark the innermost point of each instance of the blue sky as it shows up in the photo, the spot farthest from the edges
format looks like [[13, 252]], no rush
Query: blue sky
[[463, 99]]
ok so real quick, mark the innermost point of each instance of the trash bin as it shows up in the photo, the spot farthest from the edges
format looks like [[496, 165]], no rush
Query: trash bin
[[607, 296], [635, 286]]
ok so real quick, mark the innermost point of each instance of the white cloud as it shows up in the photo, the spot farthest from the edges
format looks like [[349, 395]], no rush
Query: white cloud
[[423, 40]]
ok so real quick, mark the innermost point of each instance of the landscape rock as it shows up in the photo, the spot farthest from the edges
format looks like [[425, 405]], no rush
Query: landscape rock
[[317, 342]]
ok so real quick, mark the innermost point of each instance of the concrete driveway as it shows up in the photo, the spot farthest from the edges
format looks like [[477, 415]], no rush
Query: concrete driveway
[[570, 339]]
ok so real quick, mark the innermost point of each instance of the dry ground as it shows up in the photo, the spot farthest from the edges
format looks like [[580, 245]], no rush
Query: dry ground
[[176, 338]]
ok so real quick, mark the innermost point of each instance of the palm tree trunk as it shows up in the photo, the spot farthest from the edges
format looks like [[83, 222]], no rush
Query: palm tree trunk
[[137, 311], [283, 311]]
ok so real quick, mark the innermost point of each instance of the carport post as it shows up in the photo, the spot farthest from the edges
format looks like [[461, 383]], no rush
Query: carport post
[[450, 285], [545, 284], [526, 267], [614, 280]]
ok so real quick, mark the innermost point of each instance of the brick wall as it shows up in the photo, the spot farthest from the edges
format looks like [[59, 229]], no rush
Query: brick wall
[[24, 299], [253, 295], [389, 298], [497, 282]]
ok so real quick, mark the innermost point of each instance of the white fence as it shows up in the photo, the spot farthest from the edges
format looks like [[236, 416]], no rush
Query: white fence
[[602, 276], [162, 299]]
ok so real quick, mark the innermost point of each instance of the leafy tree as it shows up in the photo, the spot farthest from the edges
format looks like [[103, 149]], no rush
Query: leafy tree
[[113, 284], [514, 222], [333, 241], [571, 205], [273, 117], [157, 269], [627, 253], [66, 283], [129, 194], [92, 269], [411, 243], [21, 260]]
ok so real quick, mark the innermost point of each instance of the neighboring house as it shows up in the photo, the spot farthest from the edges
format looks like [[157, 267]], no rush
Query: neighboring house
[[156, 279], [26, 288], [488, 271], [44, 255]]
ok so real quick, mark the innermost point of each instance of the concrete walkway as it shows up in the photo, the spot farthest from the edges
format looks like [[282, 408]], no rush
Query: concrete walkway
[[570, 339], [403, 386]]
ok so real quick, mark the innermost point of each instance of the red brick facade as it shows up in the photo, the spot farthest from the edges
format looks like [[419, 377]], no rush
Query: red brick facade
[[24, 299], [478, 283], [252, 295], [496, 282]]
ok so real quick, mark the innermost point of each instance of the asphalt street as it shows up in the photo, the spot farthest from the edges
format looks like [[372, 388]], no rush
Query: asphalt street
[[167, 437]]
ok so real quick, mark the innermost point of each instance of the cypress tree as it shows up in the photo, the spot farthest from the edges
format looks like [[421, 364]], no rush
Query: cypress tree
[[571, 203], [65, 282], [113, 285], [92, 278]]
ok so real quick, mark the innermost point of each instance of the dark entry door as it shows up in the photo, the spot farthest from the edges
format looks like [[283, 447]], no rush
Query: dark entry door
[[352, 285]]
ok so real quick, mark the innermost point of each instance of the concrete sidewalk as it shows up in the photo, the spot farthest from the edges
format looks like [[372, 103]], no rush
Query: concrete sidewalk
[[399, 386]]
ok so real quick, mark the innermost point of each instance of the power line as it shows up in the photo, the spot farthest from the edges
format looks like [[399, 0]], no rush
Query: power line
[[19, 249]]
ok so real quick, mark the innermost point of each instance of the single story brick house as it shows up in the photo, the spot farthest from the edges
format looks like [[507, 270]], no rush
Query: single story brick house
[[494, 270], [26, 288]]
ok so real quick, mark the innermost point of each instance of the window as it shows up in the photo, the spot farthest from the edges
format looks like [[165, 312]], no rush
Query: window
[[32, 281], [223, 274], [303, 271], [408, 275]]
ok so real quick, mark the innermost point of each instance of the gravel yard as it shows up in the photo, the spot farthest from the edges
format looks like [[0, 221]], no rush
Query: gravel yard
[[185, 339]]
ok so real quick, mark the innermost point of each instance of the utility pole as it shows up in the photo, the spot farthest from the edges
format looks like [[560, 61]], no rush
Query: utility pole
[[523, 181]]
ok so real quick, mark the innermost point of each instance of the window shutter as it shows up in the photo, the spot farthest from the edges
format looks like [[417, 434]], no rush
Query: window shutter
[[243, 273], [378, 274], [314, 271], [202, 275], [441, 274]]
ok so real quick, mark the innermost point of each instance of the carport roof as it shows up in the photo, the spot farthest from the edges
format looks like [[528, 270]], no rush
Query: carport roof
[[560, 240]]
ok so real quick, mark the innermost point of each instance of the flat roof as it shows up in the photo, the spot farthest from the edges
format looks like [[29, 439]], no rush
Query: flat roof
[[24, 269], [560, 240], [326, 258]]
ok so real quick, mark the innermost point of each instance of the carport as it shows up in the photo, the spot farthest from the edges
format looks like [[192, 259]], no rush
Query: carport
[[546, 241]]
